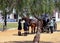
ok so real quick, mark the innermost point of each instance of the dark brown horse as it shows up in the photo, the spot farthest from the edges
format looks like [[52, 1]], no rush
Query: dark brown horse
[[33, 25]]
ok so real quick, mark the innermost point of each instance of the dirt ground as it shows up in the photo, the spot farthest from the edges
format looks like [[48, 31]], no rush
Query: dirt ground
[[11, 36]]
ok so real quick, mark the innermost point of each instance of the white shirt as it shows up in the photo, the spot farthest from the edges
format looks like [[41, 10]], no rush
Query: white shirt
[[51, 23]]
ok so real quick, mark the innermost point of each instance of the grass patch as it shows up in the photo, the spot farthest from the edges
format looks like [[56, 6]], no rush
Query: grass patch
[[10, 25], [1, 25]]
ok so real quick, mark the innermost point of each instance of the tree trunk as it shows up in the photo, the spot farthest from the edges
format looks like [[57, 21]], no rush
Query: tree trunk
[[37, 36], [16, 16], [5, 21]]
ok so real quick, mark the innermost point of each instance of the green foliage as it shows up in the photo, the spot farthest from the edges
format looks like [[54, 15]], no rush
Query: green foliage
[[57, 4], [51, 6], [34, 6], [1, 3]]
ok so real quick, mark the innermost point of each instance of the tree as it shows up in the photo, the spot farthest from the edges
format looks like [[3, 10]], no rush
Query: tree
[[57, 4], [5, 11], [51, 7], [39, 7], [4, 6]]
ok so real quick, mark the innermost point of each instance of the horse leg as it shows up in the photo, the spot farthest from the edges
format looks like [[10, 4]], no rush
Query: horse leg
[[34, 29]]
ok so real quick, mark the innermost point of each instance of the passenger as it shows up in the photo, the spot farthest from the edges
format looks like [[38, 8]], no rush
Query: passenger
[[51, 25], [19, 27]]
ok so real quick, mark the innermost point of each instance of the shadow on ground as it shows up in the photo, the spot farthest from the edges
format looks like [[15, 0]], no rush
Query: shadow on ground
[[17, 35], [57, 30], [22, 34], [24, 42]]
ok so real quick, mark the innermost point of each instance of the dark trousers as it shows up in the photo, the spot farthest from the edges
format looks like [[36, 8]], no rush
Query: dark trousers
[[19, 28], [51, 29]]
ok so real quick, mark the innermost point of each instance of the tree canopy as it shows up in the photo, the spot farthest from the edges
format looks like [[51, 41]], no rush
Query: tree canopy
[[32, 6]]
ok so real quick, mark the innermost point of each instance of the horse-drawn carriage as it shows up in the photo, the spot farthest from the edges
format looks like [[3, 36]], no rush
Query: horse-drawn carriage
[[43, 24]]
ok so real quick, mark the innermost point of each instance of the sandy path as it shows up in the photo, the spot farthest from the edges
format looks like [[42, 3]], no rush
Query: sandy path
[[11, 36]]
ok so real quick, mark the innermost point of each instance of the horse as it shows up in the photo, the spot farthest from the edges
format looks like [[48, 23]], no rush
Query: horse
[[33, 25]]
